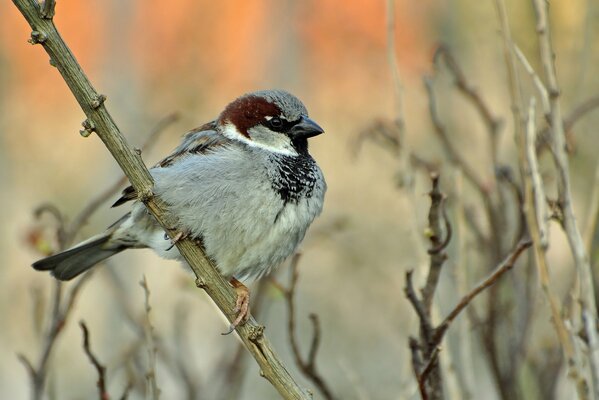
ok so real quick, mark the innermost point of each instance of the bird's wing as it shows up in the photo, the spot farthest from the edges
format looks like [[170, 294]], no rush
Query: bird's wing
[[197, 141]]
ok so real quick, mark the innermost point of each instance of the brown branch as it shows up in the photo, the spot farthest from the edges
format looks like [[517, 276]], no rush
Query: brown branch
[[101, 122], [497, 273], [580, 111], [415, 351], [471, 93], [103, 394], [430, 364], [450, 149], [438, 245], [307, 366], [426, 325]]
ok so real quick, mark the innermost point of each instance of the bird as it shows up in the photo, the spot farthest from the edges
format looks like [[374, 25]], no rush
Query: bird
[[243, 186]]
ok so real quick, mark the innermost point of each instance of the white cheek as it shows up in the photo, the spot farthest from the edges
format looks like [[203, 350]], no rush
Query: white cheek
[[229, 130]]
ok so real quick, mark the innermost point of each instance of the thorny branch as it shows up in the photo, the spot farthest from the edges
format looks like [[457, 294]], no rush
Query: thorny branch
[[307, 366], [103, 394], [101, 122]]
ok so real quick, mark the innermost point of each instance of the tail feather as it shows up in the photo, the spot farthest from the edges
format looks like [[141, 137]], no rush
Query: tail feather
[[75, 261]]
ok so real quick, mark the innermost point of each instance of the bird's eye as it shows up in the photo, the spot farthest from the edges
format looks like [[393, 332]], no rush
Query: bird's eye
[[275, 122]]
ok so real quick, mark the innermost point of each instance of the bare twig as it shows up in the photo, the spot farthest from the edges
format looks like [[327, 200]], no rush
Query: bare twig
[[307, 366], [101, 122], [152, 385], [438, 244], [560, 157], [580, 111], [454, 156], [430, 388], [60, 314], [497, 273], [543, 94], [103, 394], [492, 123], [61, 229], [426, 326], [538, 192]]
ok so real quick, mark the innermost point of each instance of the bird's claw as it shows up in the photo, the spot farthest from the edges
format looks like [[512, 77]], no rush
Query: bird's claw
[[178, 237], [242, 306]]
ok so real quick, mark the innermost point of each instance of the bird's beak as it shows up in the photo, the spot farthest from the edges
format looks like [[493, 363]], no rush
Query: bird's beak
[[305, 128]]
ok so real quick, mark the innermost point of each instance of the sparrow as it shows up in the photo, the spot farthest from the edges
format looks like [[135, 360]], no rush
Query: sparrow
[[244, 186]]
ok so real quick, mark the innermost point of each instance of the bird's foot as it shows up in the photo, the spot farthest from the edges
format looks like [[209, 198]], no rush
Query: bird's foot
[[178, 237], [242, 305]]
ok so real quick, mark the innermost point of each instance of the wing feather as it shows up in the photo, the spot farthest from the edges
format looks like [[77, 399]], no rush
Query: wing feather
[[200, 140]]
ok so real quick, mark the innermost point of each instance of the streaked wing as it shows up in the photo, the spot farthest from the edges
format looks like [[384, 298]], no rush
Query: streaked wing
[[197, 141]]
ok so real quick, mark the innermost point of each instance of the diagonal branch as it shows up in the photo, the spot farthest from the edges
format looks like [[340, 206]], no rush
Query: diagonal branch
[[101, 122], [501, 269]]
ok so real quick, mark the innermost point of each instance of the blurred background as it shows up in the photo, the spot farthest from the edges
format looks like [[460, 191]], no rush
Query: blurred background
[[155, 58]]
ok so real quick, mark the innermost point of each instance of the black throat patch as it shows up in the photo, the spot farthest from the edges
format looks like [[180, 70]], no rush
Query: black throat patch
[[294, 177]]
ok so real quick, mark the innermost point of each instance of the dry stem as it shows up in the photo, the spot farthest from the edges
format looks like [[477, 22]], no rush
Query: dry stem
[[102, 393], [560, 157], [306, 365]]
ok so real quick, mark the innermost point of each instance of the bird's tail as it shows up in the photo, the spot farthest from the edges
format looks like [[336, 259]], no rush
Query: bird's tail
[[75, 261]]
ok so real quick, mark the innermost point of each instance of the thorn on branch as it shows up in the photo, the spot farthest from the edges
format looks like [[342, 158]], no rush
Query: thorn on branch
[[48, 9], [103, 394], [88, 128], [201, 283], [98, 101], [38, 37]]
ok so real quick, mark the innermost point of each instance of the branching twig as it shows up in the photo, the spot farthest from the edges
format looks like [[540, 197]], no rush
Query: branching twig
[[61, 311], [101, 122], [560, 156], [103, 394], [493, 124], [425, 351], [497, 273], [307, 366], [454, 156]]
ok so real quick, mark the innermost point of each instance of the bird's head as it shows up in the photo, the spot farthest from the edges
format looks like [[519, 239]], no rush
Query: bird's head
[[274, 120]]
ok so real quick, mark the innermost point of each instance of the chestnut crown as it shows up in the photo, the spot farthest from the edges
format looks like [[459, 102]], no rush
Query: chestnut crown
[[271, 119]]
